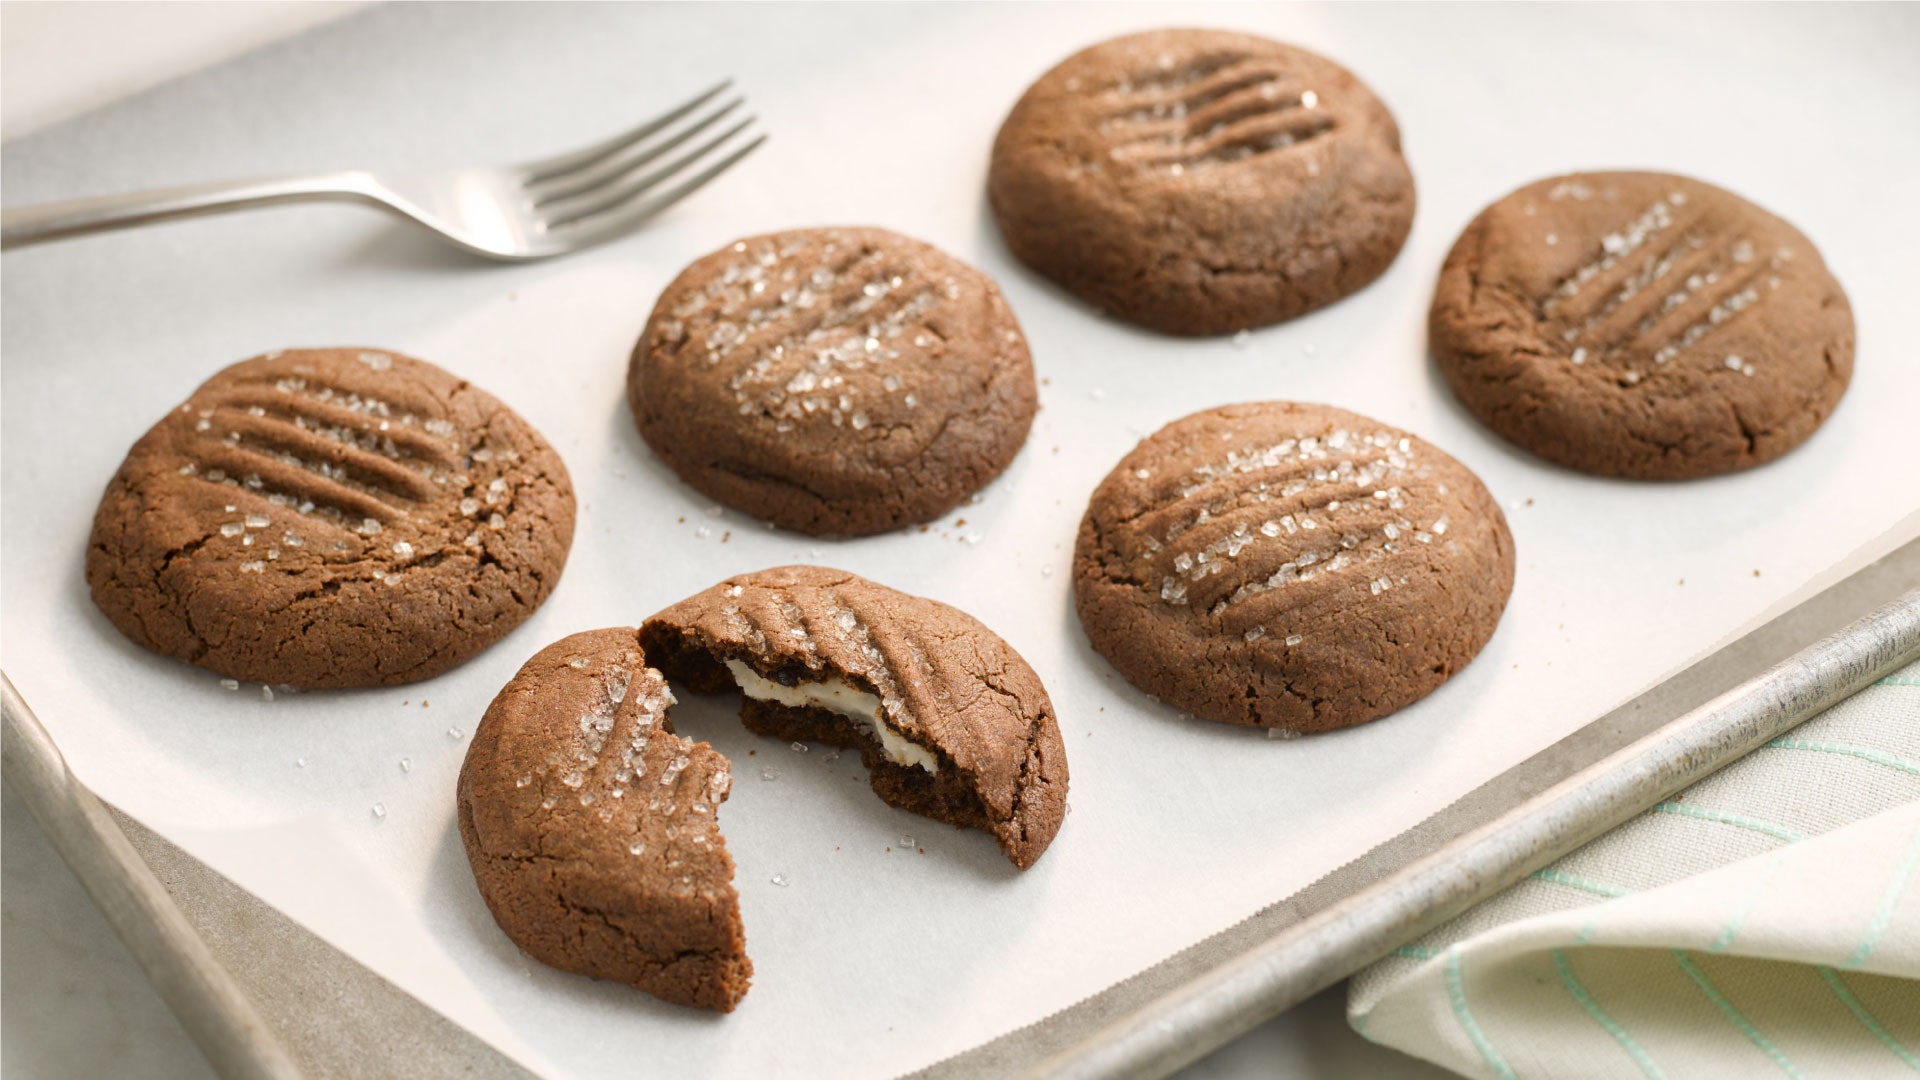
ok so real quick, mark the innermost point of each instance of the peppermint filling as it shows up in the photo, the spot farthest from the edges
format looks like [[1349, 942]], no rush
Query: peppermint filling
[[841, 698]]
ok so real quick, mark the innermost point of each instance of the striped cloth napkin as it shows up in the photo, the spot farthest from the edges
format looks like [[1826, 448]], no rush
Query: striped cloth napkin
[[1765, 921]]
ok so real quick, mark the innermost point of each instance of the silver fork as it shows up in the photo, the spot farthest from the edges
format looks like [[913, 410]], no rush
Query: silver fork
[[532, 210]]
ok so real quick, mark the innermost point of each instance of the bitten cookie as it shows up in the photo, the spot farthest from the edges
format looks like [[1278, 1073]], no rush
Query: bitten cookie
[[949, 720], [1202, 182], [330, 518], [837, 382], [1290, 566], [590, 826], [1641, 325]]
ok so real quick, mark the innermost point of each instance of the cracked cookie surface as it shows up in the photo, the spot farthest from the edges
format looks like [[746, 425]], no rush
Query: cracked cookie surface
[[330, 518], [591, 827], [837, 382], [960, 728], [1641, 325], [1290, 566], [1201, 181]]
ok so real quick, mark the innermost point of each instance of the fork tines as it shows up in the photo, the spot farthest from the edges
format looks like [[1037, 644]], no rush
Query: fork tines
[[613, 185]]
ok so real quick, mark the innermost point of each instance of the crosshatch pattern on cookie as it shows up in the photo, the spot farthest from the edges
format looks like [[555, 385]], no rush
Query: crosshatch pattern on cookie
[[347, 460], [838, 381], [1641, 325], [810, 328], [339, 479], [1294, 567], [949, 720], [1658, 285], [1200, 181], [1219, 107], [591, 826]]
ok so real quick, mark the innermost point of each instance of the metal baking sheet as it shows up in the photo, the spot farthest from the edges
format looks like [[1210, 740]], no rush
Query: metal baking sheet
[[1758, 686], [883, 115]]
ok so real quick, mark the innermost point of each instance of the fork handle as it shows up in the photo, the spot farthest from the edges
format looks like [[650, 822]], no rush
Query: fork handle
[[77, 217]]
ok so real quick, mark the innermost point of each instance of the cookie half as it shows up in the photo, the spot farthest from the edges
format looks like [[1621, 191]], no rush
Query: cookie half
[[949, 720], [1641, 325], [1201, 181], [591, 827], [1290, 566], [837, 382], [330, 518]]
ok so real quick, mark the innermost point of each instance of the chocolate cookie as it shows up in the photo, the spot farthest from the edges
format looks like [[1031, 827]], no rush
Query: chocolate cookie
[[1202, 182], [590, 826], [1290, 566], [329, 518], [837, 382], [949, 720], [1641, 325]]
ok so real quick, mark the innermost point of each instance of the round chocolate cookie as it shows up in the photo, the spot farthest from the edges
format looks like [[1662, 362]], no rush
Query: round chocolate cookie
[[1200, 181], [329, 518], [590, 826], [837, 382], [1641, 325], [1290, 566], [949, 720]]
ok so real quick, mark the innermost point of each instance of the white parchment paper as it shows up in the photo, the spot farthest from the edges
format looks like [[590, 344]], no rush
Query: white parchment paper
[[875, 957]]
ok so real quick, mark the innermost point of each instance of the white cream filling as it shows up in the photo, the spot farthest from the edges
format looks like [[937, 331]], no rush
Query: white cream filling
[[841, 698]]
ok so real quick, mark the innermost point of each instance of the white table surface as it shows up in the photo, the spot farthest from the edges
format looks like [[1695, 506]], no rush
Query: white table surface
[[75, 1002]]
